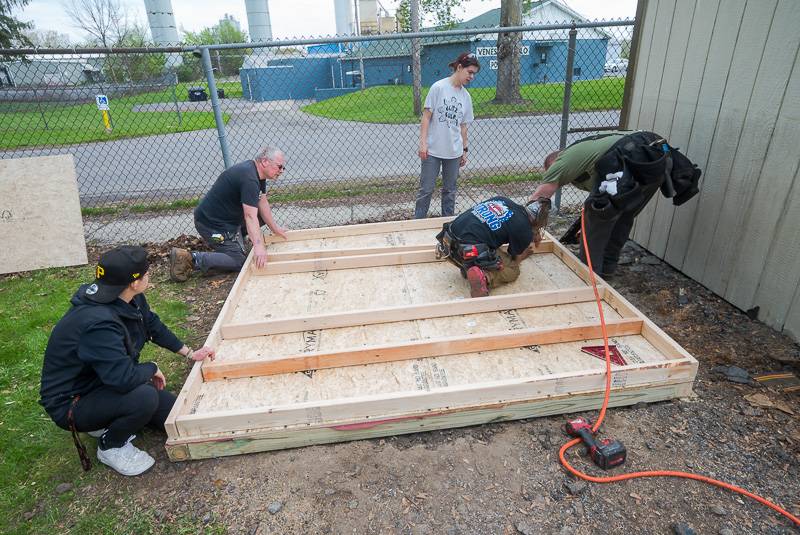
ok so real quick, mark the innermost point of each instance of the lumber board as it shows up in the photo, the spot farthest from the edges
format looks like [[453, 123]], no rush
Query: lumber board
[[194, 381], [453, 345], [348, 262], [253, 441], [357, 230], [407, 312], [333, 253]]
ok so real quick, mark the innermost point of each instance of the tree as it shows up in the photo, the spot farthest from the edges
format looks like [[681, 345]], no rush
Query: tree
[[11, 29], [137, 67], [625, 49], [508, 54], [47, 38], [226, 62], [105, 20], [440, 10]]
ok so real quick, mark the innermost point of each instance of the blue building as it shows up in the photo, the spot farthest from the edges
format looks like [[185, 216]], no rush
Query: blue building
[[332, 70]]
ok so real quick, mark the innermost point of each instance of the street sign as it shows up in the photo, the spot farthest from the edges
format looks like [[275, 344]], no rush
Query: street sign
[[102, 102]]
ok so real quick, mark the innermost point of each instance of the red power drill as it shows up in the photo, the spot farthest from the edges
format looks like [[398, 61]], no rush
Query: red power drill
[[606, 453]]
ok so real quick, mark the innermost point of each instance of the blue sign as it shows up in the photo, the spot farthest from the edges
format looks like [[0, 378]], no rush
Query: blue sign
[[102, 102]]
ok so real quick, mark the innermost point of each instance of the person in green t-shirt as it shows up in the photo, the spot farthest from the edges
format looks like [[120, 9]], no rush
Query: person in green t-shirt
[[599, 165]]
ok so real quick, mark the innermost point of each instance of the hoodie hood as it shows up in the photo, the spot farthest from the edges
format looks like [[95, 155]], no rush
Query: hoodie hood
[[123, 309]]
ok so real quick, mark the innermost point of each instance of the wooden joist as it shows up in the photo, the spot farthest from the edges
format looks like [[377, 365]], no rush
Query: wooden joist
[[451, 345], [407, 313]]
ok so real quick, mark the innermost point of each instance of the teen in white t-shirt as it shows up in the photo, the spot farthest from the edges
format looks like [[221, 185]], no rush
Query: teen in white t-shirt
[[443, 134]]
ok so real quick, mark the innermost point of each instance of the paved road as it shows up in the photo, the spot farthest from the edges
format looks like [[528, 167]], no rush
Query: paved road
[[318, 149]]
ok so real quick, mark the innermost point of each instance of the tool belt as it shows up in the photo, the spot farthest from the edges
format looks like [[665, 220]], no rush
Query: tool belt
[[466, 255]]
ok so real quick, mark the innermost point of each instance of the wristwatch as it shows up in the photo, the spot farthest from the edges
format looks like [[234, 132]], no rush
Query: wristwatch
[[465, 149]]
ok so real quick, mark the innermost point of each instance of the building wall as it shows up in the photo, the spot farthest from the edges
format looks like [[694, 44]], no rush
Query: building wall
[[721, 80], [300, 76], [290, 78]]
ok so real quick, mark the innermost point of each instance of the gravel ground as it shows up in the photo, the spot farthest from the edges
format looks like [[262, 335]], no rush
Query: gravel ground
[[505, 478]]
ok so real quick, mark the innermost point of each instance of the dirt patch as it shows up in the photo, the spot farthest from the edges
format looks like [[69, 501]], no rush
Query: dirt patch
[[505, 478]]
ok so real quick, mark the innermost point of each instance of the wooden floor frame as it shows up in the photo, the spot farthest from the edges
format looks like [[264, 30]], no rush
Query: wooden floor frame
[[192, 436]]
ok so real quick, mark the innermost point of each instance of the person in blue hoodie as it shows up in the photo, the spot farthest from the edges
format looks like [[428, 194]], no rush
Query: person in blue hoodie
[[92, 380]]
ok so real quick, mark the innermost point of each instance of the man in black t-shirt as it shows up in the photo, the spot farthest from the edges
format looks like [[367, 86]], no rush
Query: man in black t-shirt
[[475, 240], [235, 204]]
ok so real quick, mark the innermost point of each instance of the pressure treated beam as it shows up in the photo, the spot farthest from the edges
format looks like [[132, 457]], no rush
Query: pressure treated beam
[[438, 347], [441, 309]]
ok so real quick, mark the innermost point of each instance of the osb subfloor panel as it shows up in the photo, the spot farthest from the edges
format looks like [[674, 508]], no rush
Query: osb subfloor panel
[[420, 375], [316, 292]]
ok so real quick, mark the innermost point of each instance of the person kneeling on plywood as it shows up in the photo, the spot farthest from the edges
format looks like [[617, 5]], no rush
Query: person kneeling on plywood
[[473, 241]]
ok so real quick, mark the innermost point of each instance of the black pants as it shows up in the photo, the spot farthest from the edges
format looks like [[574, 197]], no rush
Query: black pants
[[122, 414], [606, 236]]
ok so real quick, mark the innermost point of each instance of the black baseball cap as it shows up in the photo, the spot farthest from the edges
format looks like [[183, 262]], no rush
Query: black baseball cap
[[116, 269]]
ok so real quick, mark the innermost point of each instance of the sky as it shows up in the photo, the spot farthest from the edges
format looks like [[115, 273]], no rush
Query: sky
[[290, 18]]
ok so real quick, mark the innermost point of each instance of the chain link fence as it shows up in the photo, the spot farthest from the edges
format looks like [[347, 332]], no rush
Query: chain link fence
[[151, 129]]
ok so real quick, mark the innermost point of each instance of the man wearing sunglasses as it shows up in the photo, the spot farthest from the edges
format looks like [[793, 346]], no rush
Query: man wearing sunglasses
[[236, 205]]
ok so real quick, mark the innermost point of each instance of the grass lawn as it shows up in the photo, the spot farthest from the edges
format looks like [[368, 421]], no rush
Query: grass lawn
[[393, 104], [37, 456], [26, 124]]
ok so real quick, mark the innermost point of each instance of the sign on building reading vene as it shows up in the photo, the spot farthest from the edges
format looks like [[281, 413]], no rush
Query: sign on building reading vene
[[486, 51]]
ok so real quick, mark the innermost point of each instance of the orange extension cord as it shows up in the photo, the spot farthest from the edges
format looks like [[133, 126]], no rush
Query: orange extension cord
[[596, 426]]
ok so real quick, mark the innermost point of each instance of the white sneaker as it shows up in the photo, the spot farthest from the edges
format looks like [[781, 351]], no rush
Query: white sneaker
[[127, 460], [97, 434]]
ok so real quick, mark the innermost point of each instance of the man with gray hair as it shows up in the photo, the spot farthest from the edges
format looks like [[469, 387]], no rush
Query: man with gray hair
[[235, 205]]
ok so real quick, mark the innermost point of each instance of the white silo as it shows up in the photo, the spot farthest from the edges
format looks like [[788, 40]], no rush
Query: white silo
[[345, 21], [162, 22], [258, 22]]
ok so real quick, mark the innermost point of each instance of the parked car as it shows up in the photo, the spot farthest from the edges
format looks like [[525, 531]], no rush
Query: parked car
[[616, 65]]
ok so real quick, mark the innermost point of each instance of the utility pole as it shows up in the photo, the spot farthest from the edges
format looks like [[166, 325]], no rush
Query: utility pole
[[416, 74]]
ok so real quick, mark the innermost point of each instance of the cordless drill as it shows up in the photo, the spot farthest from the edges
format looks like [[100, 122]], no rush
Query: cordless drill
[[606, 453]]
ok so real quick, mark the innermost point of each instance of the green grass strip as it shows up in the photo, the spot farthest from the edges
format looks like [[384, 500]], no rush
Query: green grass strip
[[32, 124], [394, 104]]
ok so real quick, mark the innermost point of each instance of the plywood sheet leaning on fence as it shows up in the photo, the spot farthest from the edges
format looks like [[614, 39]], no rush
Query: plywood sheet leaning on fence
[[359, 331], [40, 214]]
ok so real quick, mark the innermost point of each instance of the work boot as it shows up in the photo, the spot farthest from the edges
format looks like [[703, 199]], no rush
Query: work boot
[[181, 264], [127, 460], [478, 285]]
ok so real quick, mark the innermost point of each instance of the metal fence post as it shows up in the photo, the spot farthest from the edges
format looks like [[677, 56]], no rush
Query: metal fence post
[[39, 105], [212, 88], [562, 142], [175, 99]]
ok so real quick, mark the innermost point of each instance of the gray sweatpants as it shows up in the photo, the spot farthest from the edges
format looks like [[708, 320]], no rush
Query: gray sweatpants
[[427, 181]]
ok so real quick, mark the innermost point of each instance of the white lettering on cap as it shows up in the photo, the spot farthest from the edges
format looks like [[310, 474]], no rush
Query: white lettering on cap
[[91, 290]]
